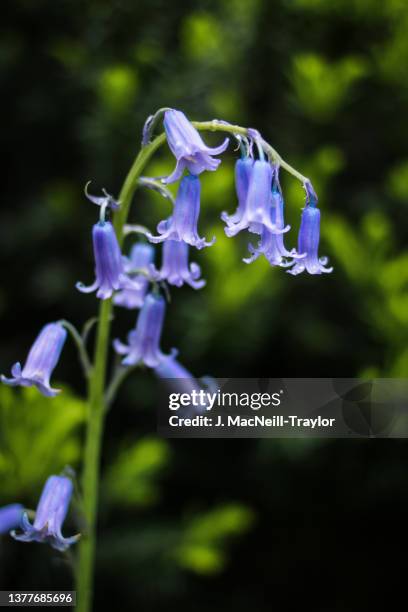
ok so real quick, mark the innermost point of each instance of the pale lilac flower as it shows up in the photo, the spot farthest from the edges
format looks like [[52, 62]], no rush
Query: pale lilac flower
[[271, 245], [144, 341], [140, 259], [182, 225], [258, 209], [10, 517], [50, 515], [188, 147], [109, 263], [175, 267], [243, 170], [178, 377], [308, 238], [41, 361]]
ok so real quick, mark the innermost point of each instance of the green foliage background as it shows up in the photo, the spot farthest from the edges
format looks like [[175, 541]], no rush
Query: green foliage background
[[209, 523]]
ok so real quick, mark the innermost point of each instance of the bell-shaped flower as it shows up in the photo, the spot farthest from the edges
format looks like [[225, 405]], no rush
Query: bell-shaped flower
[[188, 147], [271, 245], [41, 361], [258, 208], [10, 517], [182, 225], [109, 263], [308, 243], [137, 264], [50, 515], [243, 170], [180, 380], [144, 341], [175, 267]]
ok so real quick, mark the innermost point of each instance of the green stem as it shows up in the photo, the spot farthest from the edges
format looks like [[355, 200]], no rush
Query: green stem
[[97, 378], [96, 402]]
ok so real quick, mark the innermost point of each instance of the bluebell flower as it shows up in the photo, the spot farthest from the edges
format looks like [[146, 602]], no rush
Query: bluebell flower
[[258, 209], [182, 225], [175, 268], [243, 170], [188, 147], [144, 341], [180, 380], [109, 263], [308, 238], [271, 245], [50, 515], [10, 517], [140, 259], [41, 361]]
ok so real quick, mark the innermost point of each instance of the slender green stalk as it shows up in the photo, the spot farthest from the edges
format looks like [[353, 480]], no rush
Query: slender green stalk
[[96, 402], [97, 378]]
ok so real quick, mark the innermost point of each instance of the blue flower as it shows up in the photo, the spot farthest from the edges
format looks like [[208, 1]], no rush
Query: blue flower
[[188, 147], [182, 225], [308, 238], [257, 212], [10, 517], [144, 341], [271, 244], [50, 515], [175, 269], [141, 257], [178, 377], [243, 170], [109, 263], [41, 361]]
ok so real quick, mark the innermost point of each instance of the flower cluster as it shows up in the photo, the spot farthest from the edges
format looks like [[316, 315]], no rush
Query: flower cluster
[[135, 283]]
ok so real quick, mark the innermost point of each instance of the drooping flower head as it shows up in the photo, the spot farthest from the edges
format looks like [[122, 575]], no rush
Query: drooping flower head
[[188, 147], [258, 208], [50, 515], [175, 268], [10, 517], [109, 263], [243, 170], [140, 259], [271, 245], [41, 361], [308, 238], [182, 225], [144, 341]]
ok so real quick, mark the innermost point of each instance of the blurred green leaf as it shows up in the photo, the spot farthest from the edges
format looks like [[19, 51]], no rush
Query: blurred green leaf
[[38, 437], [322, 87], [118, 87], [204, 540], [131, 479]]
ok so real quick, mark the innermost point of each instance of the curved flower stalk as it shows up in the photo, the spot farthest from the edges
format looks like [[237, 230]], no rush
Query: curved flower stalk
[[175, 268], [106, 201], [50, 515], [182, 225], [271, 245], [41, 361], [10, 517], [144, 341], [140, 259], [309, 237], [109, 264], [188, 147], [258, 207], [243, 170]]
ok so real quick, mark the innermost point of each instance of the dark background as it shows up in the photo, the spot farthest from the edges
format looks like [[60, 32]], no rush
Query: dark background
[[203, 523]]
